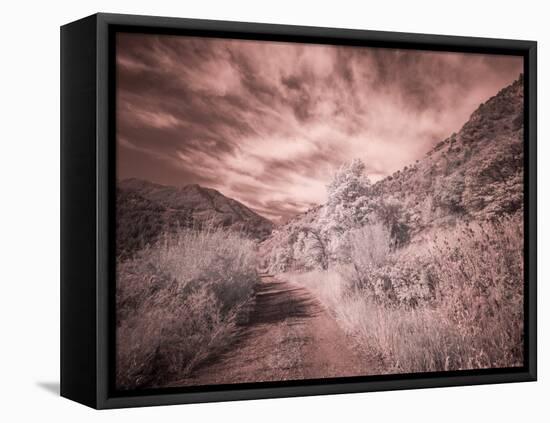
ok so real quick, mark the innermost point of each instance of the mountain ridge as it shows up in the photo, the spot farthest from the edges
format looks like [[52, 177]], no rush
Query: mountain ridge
[[146, 209]]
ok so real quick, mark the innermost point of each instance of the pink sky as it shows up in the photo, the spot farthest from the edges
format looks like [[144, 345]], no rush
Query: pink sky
[[267, 123]]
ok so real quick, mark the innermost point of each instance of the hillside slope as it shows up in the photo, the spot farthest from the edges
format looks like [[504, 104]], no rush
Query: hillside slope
[[475, 174], [145, 209]]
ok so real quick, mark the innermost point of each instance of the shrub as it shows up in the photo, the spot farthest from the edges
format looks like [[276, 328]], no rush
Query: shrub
[[396, 220], [479, 269], [370, 247], [178, 302], [315, 247], [450, 198], [455, 304], [348, 204]]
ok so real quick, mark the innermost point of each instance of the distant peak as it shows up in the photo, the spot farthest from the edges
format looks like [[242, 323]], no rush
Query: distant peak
[[196, 188], [135, 182]]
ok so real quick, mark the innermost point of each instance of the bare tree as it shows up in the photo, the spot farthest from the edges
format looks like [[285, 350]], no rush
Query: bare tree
[[317, 246]]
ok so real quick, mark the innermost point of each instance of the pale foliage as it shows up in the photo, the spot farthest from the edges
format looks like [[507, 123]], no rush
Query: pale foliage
[[370, 246], [349, 208], [348, 203], [456, 305], [177, 303], [314, 247]]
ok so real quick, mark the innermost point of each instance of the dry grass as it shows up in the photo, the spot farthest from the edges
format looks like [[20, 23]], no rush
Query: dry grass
[[370, 246], [178, 302], [470, 316]]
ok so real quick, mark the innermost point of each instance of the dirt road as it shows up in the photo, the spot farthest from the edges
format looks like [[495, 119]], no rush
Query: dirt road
[[289, 335]]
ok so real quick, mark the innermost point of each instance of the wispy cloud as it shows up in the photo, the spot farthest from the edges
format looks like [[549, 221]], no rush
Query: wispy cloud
[[267, 123]]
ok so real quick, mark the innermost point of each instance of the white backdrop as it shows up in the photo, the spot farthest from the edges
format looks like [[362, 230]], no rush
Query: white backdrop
[[29, 300]]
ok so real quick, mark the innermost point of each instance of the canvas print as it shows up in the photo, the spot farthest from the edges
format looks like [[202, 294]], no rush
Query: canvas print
[[291, 211]]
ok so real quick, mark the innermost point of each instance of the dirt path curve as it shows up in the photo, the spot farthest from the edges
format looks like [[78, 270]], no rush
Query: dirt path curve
[[289, 336]]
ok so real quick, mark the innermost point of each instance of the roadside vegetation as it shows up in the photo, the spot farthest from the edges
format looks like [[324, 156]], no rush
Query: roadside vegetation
[[451, 304], [448, 298], [178, 302]]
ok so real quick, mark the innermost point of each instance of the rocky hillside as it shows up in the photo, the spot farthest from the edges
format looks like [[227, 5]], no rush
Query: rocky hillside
[[145, 210], [475, 174]]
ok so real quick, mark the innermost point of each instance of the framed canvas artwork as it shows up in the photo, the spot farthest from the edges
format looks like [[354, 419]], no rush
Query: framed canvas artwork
[[254, 211]]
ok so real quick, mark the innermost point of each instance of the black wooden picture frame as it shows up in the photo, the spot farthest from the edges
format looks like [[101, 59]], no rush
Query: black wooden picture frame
[[88, 194]]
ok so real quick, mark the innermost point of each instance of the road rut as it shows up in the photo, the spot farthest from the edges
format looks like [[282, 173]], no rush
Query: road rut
[[289, 335]]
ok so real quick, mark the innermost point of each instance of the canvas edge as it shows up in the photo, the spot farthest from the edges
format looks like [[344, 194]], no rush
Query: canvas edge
[[78, 310], [531, 201]]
